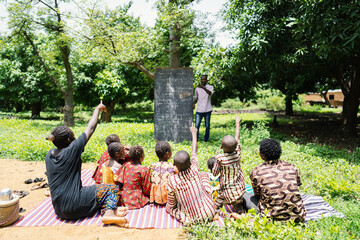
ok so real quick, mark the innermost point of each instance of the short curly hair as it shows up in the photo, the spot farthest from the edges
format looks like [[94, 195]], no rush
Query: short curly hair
[[113, 148], [270, 148], [162, 148], [211, 162], [136, 152], [112, 138]]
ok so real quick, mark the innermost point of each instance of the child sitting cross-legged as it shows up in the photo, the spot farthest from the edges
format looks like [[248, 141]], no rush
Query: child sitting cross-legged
[[275, 183], [98, 176], [232, 183], [160, 172], [116, 152], [134, 179], [189, 191]]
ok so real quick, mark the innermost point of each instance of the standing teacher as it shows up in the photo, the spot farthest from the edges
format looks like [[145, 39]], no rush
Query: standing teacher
[[202, 96]]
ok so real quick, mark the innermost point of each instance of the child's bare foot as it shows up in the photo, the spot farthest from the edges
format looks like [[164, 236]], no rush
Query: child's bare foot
[[216, 217], [120, 221], [235, 215], [110, 217], [122, 211]]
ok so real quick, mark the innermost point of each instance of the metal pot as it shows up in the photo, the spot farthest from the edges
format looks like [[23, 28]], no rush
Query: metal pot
[[5, 194]]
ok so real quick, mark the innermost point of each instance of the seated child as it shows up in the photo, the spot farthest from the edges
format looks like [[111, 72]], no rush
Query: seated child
[[232, 183], [189, 191], [160, 172], [135, 180], [116, 152], [214, 180], [97, 176], [275, 183]]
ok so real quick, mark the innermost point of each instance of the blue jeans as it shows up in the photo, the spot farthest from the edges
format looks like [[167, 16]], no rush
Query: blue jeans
[[198, 118]]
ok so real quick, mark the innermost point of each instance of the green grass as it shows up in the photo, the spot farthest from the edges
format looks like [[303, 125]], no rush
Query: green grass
[[325, 171]]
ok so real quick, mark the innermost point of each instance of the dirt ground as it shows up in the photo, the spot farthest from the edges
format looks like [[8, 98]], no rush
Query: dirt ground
[[13, 173]]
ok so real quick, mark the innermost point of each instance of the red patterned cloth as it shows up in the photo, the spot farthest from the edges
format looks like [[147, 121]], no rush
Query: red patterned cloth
[[232, 182], [136, 186], [97, 176], [190, 195]]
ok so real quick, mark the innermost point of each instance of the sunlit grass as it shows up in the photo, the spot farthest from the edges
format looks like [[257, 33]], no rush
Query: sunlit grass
[[333, 174]]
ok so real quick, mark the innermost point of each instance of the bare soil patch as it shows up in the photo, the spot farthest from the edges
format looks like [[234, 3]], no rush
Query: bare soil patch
[[13, 173]]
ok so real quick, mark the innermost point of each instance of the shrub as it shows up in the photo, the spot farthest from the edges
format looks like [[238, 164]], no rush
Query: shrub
[[233, 104]]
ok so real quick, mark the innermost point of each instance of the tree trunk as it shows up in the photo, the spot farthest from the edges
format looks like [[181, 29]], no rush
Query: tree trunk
[[175, 46], [288, 106], [324, 95], [350, 87], [110, 106], [35, 109], [123, 105], [18, 107], [69, 91], [350, 110]]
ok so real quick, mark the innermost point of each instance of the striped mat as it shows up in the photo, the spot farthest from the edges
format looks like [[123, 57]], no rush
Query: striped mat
[[316, 208], [150, 216]]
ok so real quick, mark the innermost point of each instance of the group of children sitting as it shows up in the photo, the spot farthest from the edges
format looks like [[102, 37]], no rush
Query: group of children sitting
[[191, 195]]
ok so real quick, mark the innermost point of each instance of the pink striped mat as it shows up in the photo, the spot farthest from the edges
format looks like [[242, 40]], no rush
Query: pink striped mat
[[150, 216]]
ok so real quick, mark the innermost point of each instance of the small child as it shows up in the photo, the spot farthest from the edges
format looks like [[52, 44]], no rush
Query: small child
[[232, 183], [275, 183], [97, 176], [160, 172], [189, 191], [214, 180], [116, 152], [135, 180]]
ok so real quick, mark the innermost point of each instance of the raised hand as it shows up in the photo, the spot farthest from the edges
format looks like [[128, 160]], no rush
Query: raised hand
[[237, 119], [193, 129], [101, 106]]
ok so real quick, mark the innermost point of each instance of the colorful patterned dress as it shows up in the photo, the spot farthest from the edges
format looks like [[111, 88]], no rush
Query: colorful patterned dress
[[136, 186], [98, 176], [159, 174]]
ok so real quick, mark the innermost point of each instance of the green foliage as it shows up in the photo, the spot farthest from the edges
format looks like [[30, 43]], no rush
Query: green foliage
[[233, 103], [141, 106], [333, 174], [252, 226]]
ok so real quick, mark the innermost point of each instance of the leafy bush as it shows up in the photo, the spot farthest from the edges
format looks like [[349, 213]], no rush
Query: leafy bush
[[141, 106], [233, 104]]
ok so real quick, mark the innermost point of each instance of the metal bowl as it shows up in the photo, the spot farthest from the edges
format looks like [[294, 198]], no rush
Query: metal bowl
[[5, 194]]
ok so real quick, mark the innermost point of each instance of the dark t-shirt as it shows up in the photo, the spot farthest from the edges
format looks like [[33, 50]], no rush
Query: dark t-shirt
[[70, 199]]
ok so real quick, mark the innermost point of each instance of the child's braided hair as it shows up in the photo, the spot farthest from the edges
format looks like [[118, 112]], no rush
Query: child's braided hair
[[136, 152], [162, 148], [113, 148], [112, 138], [61, 136], [211, 163]]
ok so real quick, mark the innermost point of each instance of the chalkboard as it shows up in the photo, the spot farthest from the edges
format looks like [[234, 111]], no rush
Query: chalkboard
[[173, 113]]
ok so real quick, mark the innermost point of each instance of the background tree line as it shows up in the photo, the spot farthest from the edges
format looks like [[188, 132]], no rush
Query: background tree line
[[60, 57]]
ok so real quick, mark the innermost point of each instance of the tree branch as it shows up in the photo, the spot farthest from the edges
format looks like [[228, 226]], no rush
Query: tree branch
[[142, 68], [47, 70]]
